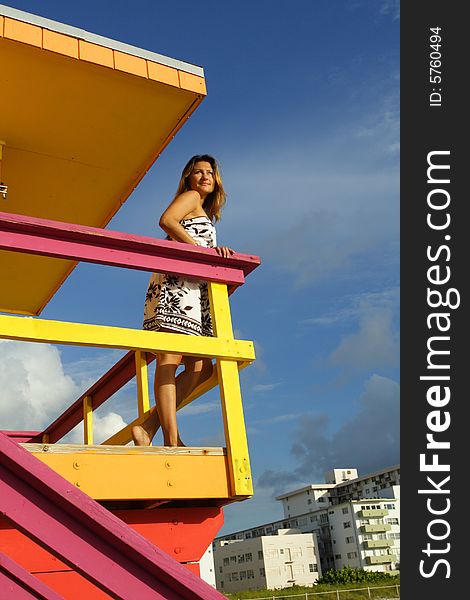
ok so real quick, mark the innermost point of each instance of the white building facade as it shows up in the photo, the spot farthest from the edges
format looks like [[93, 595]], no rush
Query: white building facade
[[207, 568], [272, 562], [372, 504], [366, 534]]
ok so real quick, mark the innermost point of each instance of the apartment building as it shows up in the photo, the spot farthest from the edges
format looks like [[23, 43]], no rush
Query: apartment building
[[315, 509], [269, 561], [366, 534]]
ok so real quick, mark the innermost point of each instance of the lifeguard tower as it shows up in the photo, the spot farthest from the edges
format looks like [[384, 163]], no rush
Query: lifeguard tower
[[82, 119]]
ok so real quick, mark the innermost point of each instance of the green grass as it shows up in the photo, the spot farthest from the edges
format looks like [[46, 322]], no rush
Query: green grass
[[344, 594]]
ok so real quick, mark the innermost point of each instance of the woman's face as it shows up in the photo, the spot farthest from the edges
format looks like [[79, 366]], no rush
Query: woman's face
[[201, 178]]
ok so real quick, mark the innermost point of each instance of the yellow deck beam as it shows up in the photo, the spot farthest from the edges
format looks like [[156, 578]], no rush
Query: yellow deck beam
[[139, 473], [79, 334]]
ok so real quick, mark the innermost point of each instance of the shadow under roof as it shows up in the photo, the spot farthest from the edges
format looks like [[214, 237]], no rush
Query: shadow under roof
[[82, 119]]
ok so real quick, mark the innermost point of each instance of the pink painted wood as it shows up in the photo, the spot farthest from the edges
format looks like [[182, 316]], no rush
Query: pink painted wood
[[23, 436], [18, 584], [90, 244], [112, 381], [83, 534]]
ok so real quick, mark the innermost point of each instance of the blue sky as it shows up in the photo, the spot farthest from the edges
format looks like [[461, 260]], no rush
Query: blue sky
[[302, 113]]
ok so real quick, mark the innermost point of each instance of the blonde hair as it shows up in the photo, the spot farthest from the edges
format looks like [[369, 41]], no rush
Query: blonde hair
[[214, 201]]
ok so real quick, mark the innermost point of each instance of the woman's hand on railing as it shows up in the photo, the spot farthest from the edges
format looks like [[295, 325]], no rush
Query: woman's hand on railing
[[224, 251]]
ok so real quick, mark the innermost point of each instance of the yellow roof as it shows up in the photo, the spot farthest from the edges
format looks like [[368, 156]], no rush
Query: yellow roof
[[83, 118]]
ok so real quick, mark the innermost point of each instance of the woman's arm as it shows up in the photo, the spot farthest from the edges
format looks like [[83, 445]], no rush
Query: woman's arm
[[181, 207]]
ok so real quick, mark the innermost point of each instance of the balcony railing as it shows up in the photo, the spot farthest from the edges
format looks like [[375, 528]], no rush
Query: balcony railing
[[377, 528], [369, 544], [79, 243], [382, 559], [374, 513]]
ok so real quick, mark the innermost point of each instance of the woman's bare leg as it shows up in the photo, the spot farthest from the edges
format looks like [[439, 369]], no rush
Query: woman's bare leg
[[196, 372]]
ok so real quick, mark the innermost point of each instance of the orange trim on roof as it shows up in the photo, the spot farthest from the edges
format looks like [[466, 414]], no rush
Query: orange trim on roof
[[23, 32], [163, 73], [130, 64], [96, 54], [83, 50], [61, 43], [193, 83]]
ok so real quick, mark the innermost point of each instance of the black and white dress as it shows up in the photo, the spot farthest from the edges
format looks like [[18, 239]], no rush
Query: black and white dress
[[181, 305]]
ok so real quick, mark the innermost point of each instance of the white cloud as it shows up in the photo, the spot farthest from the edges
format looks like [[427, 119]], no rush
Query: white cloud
[[265, 387], [103, 427], [355, 307], [374, 345], [35, 389], [390, 7], [278, 419]]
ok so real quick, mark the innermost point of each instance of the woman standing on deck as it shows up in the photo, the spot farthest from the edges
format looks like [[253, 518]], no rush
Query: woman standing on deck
[[177, 305]]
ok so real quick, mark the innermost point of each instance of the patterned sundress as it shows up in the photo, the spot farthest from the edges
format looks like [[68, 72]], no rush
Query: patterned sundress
[[181, 305]]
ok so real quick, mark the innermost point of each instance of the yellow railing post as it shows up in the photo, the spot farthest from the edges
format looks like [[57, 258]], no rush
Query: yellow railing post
[[88, 420], [232, 408], [141, 373]]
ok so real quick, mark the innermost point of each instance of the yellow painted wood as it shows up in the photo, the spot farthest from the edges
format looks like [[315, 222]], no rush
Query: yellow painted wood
[[235, 432], [141, 473], [88, 420], [124, 450], [62, 332], [141, 373], [232, 408]]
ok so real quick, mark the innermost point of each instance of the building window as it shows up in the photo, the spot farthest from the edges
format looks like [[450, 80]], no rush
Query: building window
[[337, 556], [241, 558], [235, 576], [220, 569], [262, 572], [226, 561], [313, 568], [260, 555], [281, 551], [248, 556], [345, 510], [392, 521], [221, 584], [242, 575], [352, 554], [347, 524], [350, 540], [309, 501], [233, 559], [250, 573]]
